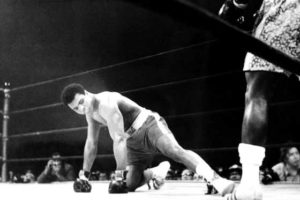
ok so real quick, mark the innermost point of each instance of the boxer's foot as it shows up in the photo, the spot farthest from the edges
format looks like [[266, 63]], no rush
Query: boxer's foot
[[159, 174], [223, 186], [244, 192]]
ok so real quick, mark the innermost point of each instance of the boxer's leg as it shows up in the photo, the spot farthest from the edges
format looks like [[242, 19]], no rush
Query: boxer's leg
[[139, 157], [135, 177], [260, 88], [157, 174], [163, 139]]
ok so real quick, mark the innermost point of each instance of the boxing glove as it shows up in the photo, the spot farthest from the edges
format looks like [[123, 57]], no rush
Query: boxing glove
[[82, 184], [210, 189], [241, 13], [117, 184]]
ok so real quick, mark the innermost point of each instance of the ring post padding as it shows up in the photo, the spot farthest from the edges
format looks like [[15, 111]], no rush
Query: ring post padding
[[6, 91]]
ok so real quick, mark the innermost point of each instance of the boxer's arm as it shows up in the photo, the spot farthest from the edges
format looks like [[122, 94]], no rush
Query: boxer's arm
[[115, 125], [116, 128], [91, 144], [120, 153]]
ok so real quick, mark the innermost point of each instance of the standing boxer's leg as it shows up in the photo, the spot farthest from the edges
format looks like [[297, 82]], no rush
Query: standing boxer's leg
[[260, 88]]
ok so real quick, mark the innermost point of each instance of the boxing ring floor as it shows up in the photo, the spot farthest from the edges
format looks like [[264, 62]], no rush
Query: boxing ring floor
[[176, 190]]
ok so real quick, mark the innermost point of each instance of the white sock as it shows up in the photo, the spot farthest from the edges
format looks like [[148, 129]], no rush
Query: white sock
[[251, 158], [204, 170]]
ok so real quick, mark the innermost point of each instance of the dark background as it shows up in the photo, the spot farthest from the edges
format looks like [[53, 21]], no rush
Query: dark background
[[197, 79]]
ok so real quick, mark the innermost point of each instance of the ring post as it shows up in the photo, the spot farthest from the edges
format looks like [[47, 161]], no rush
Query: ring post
[[6, 91]]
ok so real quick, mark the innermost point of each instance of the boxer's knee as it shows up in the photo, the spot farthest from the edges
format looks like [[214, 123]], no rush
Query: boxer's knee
[[256, 109], [260, 86], [132, 184], [134, 178]]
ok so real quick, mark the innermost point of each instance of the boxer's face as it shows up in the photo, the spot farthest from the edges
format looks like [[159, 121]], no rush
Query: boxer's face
[[78, 104]]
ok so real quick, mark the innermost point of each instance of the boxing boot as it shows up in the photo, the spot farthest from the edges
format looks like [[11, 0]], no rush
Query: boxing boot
[[245, 192], [251, 157], [223, 186], [159, 174]]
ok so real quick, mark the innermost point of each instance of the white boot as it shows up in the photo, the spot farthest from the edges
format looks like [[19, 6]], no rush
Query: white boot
[[245, 192], [251, 157], [159, 174], [223, 186]]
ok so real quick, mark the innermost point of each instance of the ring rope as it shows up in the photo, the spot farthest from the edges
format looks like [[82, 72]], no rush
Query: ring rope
[[115, 65], [135, 90], [286, 102], [181, 81], [36, 108], [202, 150], [190, 13], [203, 113], [62, 157], [37, 133], [65, 130], [145, 88]]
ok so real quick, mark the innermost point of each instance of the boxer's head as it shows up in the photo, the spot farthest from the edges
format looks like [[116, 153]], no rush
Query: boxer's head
[[74, 97]]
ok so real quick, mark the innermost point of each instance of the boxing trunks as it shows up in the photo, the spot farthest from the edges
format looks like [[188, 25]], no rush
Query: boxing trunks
[[144, 132]]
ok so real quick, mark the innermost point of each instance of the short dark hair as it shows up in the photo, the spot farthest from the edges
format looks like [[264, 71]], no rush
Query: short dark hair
[[69, 92]]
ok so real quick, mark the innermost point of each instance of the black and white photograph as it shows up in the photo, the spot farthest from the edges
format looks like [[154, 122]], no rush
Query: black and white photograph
[[148, 99]]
